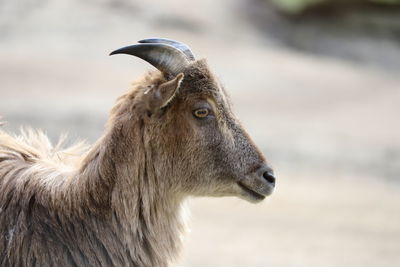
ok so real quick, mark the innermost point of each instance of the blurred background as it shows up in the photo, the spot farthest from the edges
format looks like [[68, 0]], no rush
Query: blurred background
[[315, 82]]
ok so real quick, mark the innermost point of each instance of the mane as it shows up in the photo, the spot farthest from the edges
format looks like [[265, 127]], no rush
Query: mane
[[34, 147]]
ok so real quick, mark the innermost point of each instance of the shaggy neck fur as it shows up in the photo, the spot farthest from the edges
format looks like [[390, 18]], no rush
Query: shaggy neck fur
[[113, 209]]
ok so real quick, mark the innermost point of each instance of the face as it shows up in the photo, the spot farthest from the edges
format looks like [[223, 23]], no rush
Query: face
[[204, 146]]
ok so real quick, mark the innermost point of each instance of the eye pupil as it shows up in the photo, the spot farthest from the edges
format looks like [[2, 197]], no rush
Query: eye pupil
[[201, 113]]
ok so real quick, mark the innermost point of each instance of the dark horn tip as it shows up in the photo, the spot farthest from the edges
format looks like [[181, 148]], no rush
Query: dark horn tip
[[115, 52], [122, 50]]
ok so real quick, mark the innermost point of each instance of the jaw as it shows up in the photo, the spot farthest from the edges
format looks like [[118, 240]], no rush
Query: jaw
[[249, 189]]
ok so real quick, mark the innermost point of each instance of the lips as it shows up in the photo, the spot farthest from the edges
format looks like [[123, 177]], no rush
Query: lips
[[251, 192]]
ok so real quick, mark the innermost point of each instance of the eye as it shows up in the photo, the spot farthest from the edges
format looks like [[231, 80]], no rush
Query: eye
[[201, 113]]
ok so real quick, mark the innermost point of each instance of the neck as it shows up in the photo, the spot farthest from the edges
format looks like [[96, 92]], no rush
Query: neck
[[145, 210]]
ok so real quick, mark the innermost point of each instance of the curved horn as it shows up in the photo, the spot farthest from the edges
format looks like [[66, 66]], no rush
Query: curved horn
[[164, 57], [181, 46]]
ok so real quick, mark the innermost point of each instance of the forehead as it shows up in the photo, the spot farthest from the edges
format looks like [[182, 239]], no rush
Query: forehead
[[199, 82]]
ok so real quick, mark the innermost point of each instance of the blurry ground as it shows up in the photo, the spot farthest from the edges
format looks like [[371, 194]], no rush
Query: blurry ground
[[329, 125]]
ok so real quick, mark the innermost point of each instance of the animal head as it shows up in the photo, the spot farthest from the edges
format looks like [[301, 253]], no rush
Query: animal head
[[195, 140]]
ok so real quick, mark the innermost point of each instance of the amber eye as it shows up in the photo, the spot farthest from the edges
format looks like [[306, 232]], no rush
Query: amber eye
[[201, 113]]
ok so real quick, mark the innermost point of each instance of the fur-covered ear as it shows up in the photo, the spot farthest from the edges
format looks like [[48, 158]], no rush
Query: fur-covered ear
[[160, 96]]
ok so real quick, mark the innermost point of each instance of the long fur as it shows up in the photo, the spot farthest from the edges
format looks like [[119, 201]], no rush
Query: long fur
[[77, 206]]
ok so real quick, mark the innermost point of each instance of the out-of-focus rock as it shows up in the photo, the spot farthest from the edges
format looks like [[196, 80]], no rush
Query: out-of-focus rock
[[358, 30]]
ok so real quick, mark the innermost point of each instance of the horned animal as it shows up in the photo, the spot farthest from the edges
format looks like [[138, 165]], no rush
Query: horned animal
[[119, 201]]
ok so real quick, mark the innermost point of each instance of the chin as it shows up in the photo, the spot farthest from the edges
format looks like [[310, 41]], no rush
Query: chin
[[253, 195], [251, 199]]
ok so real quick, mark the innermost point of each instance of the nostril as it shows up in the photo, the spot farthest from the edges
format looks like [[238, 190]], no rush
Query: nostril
[[269, 177]]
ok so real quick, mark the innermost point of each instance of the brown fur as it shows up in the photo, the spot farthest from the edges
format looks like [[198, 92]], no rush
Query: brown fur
[[119, 202]]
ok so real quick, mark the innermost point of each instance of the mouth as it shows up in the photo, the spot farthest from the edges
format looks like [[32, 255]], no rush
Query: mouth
[[253, 194]]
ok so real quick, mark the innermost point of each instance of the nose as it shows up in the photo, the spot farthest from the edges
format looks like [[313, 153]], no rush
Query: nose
[[269, 177], [268, 174]]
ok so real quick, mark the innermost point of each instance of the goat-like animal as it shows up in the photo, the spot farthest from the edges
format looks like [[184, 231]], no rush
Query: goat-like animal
[[118, 203]]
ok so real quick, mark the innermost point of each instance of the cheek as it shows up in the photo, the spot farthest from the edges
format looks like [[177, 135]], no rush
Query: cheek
[[227, 136], [208, 133], [214, 146], [219, 139], [221, 150]]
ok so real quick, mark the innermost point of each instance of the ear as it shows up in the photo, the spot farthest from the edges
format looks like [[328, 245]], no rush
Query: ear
[[159, 97]]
